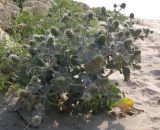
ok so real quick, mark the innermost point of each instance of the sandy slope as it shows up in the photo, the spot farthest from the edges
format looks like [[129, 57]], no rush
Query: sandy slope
[[146, 96]]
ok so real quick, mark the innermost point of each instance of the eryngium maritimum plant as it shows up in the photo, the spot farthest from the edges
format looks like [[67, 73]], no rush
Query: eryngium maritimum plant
[[66, 66]]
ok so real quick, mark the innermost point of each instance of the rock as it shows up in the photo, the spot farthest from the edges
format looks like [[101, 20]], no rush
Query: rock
[[6, 39], [9, 10], [8, 13], [37, 7]]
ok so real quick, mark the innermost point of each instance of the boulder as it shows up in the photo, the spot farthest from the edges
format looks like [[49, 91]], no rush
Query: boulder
[[9, 10], [6, 39], [8, 13], [37, 6]]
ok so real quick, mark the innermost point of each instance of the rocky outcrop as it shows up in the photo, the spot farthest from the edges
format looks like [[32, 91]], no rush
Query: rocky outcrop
[[37, 6], [8, 12], [6, 39]]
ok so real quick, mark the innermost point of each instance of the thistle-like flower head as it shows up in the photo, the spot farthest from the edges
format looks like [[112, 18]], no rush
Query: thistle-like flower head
[[89, 15], [54, 31], [127, 34], [42, 38], [110, 20], [137, 53], [131, 16], [86, 96], [102, 39], [34, 80], [50, 40], [23, 93], [103, 11], [116, 23], [120, 34], [32, 43], [128, 42], [115, 6], [60, 81], [50, 14], [137, 32], [123, 5], [14, 58], [65, 18], [36, 120], [69, 33], [36, 37]]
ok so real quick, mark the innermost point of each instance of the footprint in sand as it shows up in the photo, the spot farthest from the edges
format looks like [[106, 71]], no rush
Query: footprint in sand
[[155, 98], [150, 65], [142, 84], [151, 90], [145, 79], [155, 119], [158, 83], [155, 72]]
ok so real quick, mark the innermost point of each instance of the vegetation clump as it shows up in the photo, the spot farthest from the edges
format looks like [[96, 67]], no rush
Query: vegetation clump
[[64, 64]]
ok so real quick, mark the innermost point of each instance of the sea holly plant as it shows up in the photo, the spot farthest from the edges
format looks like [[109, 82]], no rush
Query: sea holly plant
[[69, 68]]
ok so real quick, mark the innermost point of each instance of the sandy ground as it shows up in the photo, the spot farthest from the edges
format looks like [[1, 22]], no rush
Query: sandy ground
[[144, 89]]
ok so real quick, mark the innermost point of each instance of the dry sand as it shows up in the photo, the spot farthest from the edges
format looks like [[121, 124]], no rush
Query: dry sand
[[144, 89]]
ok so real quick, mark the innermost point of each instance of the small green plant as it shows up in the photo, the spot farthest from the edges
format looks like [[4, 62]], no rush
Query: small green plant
[[3, 76], [2, 82]]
